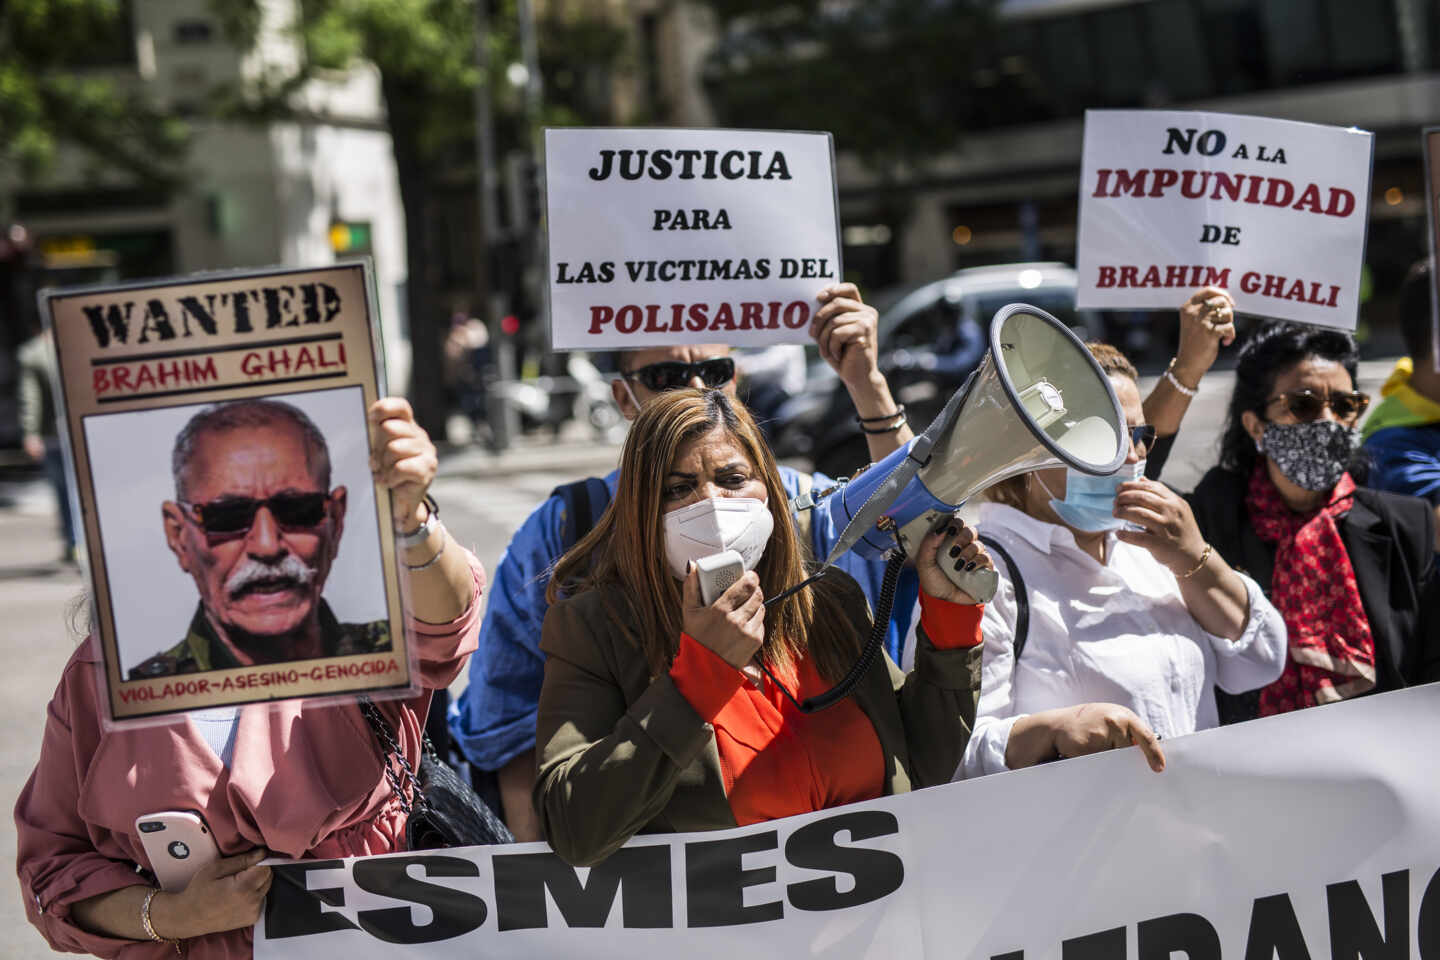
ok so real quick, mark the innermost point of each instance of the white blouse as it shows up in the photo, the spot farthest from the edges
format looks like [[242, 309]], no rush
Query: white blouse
[[1118, 633]]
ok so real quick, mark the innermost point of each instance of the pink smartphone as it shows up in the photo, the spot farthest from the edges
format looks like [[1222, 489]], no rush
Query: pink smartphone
[[178, 843]]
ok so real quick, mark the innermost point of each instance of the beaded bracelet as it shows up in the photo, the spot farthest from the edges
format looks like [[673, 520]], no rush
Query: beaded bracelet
[[1190, 392]]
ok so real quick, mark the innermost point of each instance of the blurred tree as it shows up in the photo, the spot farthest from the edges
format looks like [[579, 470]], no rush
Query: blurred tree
[[55, 89], [425, 53], [894, 80]]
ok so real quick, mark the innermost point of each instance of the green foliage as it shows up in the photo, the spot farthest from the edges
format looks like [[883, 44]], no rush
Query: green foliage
[[67, 76], [892, 79], [424, 50]]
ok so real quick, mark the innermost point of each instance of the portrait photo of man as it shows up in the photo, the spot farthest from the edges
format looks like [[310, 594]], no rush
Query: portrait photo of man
[[256, 524]]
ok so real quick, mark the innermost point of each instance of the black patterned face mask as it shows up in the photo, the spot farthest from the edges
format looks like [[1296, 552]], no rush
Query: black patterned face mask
[[1311, 455]]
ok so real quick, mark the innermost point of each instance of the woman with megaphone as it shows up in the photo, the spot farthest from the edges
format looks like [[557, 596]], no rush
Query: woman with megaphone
[[660, 712], [1115, 618]]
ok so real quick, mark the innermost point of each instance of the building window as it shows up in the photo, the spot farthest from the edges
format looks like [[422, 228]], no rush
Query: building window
[[193, 31]]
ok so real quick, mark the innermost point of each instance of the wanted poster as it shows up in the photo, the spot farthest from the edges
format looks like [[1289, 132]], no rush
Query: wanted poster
[[1432, 218], [660, 237], [239, 548], [1274, 211]]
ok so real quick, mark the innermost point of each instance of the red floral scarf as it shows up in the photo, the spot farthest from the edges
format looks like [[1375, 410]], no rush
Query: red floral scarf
[[1332, 653]]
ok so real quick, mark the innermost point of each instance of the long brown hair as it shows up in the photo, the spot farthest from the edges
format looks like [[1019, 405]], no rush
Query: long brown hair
[[626, 548]]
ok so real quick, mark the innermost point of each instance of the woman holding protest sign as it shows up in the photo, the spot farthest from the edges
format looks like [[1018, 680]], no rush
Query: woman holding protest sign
[[290, 779], [1114, 618], [1350, 569], [661, 713]]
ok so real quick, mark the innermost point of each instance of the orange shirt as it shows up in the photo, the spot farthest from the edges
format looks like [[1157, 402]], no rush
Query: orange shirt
[[779, 762]]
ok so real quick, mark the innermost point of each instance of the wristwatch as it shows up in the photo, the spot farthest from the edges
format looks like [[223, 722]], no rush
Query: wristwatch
[[421, 533]]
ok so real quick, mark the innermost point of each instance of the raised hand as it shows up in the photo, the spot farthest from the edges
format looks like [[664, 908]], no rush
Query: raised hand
[[402, 458], [1207, 322], [844, 327], [1169, 529]]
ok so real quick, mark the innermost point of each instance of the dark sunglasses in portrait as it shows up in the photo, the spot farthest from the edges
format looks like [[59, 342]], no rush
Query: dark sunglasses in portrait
[[234, 516], [674, 374], [1307, 405]]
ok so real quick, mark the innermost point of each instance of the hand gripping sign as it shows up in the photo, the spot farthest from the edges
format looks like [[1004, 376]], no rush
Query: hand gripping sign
[[1272, 210], [661, 237]]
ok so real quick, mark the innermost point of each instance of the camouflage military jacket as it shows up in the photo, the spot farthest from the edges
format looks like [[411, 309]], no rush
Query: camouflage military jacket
[[201, 650]]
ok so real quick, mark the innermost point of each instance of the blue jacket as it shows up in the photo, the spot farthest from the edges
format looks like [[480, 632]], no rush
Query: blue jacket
[[493, 721], [1406, 460]]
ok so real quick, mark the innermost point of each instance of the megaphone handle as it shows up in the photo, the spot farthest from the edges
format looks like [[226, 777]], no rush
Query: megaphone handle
[[981, 583]]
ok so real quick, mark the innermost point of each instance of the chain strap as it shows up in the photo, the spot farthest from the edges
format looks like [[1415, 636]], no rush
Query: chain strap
[[404, 781]]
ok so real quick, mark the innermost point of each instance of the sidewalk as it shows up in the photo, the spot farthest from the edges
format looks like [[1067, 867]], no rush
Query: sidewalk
[[574, 450], [37, 595]]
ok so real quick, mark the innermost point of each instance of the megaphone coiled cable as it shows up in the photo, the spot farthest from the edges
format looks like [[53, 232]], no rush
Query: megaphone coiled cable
[[878, 628]]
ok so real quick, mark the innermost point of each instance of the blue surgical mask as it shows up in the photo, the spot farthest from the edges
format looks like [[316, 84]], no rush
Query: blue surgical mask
[[1089, 503]]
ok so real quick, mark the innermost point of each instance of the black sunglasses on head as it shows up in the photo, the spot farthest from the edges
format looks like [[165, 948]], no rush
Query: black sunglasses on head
[[674, 374], [236, 515]]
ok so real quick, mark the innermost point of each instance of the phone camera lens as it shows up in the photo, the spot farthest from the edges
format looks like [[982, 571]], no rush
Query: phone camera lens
[[179, 850]]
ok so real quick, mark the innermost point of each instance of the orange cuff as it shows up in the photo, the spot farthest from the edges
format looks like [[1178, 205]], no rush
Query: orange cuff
[[704, 679], [950, 626]]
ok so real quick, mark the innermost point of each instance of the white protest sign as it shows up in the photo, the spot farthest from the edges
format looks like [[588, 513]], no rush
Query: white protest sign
[[662, 237], [1312, 834], [1273, 210]]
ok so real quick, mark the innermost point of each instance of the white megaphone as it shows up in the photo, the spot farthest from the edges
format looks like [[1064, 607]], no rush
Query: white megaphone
[[1037, 400]]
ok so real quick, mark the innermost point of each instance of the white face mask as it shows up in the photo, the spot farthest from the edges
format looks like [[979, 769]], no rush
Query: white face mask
[[742, 524]]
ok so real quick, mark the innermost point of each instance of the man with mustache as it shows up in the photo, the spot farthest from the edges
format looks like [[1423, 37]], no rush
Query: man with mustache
[[255, 523]]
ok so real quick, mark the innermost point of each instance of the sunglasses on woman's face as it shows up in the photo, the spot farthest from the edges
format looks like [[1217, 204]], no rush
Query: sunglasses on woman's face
[[674, 374], [1307, 405], [232, 516], [1141, 438]]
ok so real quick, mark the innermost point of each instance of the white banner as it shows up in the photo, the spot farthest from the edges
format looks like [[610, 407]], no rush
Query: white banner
[[664, 236], [1310, 835], [1273, 210]]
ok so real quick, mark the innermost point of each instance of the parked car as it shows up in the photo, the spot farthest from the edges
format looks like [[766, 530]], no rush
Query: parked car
[[932, 338]]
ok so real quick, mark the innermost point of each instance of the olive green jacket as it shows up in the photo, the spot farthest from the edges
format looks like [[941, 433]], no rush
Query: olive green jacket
[[622, 752]]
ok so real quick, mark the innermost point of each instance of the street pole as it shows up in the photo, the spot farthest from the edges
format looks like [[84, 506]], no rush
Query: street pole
[[489, 302], [533, 245]]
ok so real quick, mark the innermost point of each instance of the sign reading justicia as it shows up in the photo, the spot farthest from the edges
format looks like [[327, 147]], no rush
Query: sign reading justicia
[[687, 236]]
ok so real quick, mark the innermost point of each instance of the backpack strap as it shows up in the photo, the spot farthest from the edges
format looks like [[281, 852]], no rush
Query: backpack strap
[[585, 500], [1022, 598], [804, 516]]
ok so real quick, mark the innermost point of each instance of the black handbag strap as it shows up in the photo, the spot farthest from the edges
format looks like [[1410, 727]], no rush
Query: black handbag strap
[[1022, 598], [404, 781]]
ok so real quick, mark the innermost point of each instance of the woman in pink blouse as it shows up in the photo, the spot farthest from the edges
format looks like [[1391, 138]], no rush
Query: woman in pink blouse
[[291, 779]]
